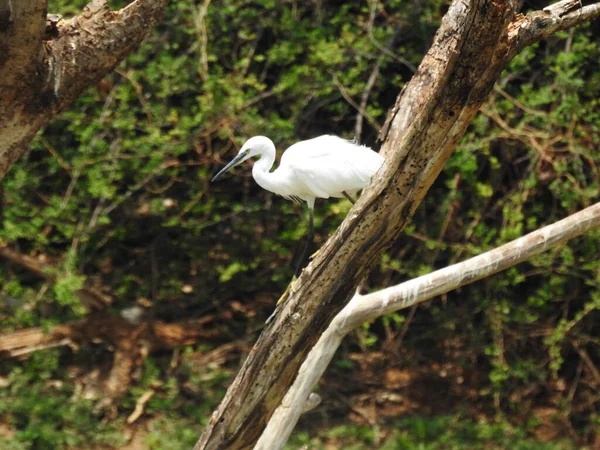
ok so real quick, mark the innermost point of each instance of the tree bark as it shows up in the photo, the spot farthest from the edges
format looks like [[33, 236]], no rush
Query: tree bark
[[475, 42], [46, 64], [364, 308]]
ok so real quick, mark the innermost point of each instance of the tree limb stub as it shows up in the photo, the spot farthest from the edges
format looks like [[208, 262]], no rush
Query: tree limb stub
[[432, 114], [41, 75]]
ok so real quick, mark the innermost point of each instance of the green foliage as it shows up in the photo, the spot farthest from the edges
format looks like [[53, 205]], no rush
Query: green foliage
[[116, 193], [172, 433], [420, 433], [40, 405]]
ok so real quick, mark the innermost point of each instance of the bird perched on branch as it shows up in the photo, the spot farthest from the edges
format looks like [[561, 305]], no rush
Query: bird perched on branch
[[323, 167]]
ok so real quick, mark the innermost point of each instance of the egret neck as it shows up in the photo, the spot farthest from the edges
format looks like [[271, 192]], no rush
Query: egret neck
[[261, 168]]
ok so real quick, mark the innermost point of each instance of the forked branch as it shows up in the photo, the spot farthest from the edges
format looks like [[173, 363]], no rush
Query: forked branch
[[46, 65], [474, 44], [369, 307], [91, 44]]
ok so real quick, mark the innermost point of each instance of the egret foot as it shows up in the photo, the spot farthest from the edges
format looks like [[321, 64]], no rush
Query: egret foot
[[314, 255], [288, 291]]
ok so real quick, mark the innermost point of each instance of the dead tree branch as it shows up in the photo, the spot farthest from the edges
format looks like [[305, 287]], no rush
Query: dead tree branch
[[42, 73], [535, 26], [131, 342], [433, 111], [369, 307]]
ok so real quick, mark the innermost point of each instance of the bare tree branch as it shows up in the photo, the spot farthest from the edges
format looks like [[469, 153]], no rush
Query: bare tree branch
[[91, 44], [42, 73], [537, 25], [369, 307], [108, 327], [433, 111], [427, 123]]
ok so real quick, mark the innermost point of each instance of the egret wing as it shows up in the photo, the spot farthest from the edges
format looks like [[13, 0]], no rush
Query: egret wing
[[326, 166]]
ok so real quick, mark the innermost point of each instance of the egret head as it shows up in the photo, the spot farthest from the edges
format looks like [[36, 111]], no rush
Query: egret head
[[254, 146]]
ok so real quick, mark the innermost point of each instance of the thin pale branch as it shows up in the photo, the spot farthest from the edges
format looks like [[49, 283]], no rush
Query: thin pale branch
[[368, 307]]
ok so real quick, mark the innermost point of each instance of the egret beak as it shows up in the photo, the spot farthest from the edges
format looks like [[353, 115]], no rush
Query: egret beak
[[241, 157]]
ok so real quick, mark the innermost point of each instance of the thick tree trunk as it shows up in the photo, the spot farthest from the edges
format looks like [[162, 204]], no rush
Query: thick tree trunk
[[45, 64], [474, 44]]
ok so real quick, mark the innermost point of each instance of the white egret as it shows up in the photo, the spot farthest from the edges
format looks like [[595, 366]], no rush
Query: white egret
[[323, 167]]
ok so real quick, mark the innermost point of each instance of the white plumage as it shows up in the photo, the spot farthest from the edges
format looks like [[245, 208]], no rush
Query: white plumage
[[323, 167]]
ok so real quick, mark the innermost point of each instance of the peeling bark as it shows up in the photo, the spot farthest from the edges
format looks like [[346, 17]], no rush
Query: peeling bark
[[42, 70], [470, 50]]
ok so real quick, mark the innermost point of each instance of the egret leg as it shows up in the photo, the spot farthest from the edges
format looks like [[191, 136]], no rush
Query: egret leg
[[311, 237], [349, 197]]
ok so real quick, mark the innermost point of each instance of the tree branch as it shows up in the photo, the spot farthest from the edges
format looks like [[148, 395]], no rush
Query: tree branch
[[22, 24], [91, 44], [537, 25], [369, 307], [433, 111], [42, 74]]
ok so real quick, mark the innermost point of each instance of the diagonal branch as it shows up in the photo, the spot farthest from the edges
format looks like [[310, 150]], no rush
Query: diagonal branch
[[369, 307], [429, 120], [432, 113]]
